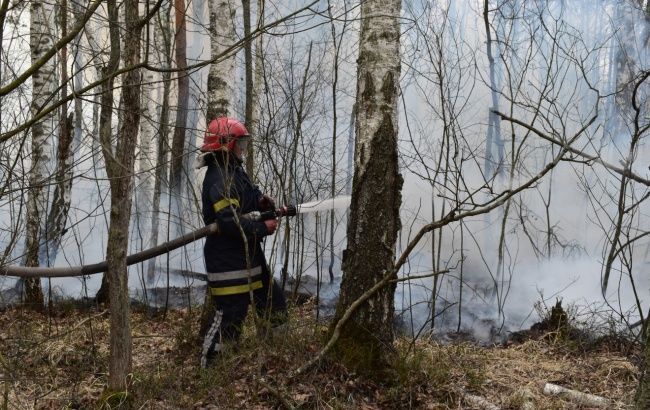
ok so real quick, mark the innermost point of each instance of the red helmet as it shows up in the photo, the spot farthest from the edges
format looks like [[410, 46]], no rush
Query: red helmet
[[222, 134]]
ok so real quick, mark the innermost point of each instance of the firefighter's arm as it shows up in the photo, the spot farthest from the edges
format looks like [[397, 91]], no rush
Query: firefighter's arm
[[229, 218], [264, 202]]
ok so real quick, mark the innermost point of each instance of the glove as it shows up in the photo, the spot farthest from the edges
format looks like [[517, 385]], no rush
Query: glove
[[271, 226], [266, 203]]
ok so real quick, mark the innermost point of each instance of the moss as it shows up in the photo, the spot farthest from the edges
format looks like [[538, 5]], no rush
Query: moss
[[363, 353]]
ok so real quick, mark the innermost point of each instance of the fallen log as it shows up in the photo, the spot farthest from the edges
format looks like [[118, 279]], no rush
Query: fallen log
[[575, 396]]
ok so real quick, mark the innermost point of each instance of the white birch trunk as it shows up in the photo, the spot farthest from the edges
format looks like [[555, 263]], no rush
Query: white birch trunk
[[376, 190], [146, 158], [44, 84], [220, 86], [196, 91], [222, 73], [79, 59], [58, 216]]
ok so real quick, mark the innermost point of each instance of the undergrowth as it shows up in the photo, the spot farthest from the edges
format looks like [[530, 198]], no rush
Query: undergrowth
[[60, 362]]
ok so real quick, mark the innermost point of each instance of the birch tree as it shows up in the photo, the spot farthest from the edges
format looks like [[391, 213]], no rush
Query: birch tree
[[221, 78], [222, 72], [376, 190], [58, 215], [43, 87], [147, 152]]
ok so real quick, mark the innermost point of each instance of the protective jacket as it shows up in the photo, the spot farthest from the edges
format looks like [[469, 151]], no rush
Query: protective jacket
[[228, 194]]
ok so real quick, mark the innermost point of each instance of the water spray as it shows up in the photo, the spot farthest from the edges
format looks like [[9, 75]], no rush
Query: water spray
[[342, 201], [307, 207]]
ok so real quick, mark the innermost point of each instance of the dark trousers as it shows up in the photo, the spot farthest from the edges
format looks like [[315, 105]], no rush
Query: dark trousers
[[231, 310]]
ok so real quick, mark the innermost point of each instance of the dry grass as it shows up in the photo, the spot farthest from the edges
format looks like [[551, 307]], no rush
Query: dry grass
[[61, 362]]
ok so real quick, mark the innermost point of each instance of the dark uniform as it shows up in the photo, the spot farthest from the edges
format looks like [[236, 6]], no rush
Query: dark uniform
[[228, 195]]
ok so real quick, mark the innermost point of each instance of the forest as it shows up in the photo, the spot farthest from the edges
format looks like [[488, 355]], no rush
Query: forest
[[457, 197]]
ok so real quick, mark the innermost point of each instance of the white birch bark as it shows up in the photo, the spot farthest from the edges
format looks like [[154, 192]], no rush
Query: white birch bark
[[147, 155], [58, 216], [196, 91], [222, 73], [149, 102], [43, 86], [376, 188], [220, 86]]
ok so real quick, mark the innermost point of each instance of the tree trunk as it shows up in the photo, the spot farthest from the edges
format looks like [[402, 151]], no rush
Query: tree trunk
[[178, 154], [642, 400], [335, 78], [376, 191], [248, 61], [147, 152], [255, 121], [220, 90], [119, 167], [43, 87], [350, 164], [643, 390], [57, 218], [493, 141], [144, 191], [222, 73], [162, 39], [106, 115]]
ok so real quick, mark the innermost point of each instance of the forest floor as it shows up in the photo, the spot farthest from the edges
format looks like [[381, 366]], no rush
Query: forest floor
[[60, 361]]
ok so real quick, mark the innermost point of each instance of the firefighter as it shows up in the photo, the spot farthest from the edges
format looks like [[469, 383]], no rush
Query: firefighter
[[234, 260]]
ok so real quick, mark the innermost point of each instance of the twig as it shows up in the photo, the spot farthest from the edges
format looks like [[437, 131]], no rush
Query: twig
[[388, 278], [451, 217], [83, 322], [277, 393], [625, 171]]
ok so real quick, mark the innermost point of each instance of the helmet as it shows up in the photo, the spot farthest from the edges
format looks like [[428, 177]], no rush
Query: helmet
[[222, 134]]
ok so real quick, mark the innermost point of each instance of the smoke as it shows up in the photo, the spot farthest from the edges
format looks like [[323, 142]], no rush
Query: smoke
[[556, 234]]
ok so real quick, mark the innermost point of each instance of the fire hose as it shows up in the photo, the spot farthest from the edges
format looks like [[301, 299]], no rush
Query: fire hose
[[70, 271]]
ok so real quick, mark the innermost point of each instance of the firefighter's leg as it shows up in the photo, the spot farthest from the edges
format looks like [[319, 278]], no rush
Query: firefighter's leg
[[229, 314], [270, 302]]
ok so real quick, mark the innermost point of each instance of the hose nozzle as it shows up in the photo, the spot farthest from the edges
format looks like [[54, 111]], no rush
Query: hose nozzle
[[286, 210]]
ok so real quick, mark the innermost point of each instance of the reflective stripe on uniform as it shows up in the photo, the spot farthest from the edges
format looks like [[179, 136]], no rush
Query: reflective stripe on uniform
[[235, 274], [212, 340], [219, 205], [234, 290]]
